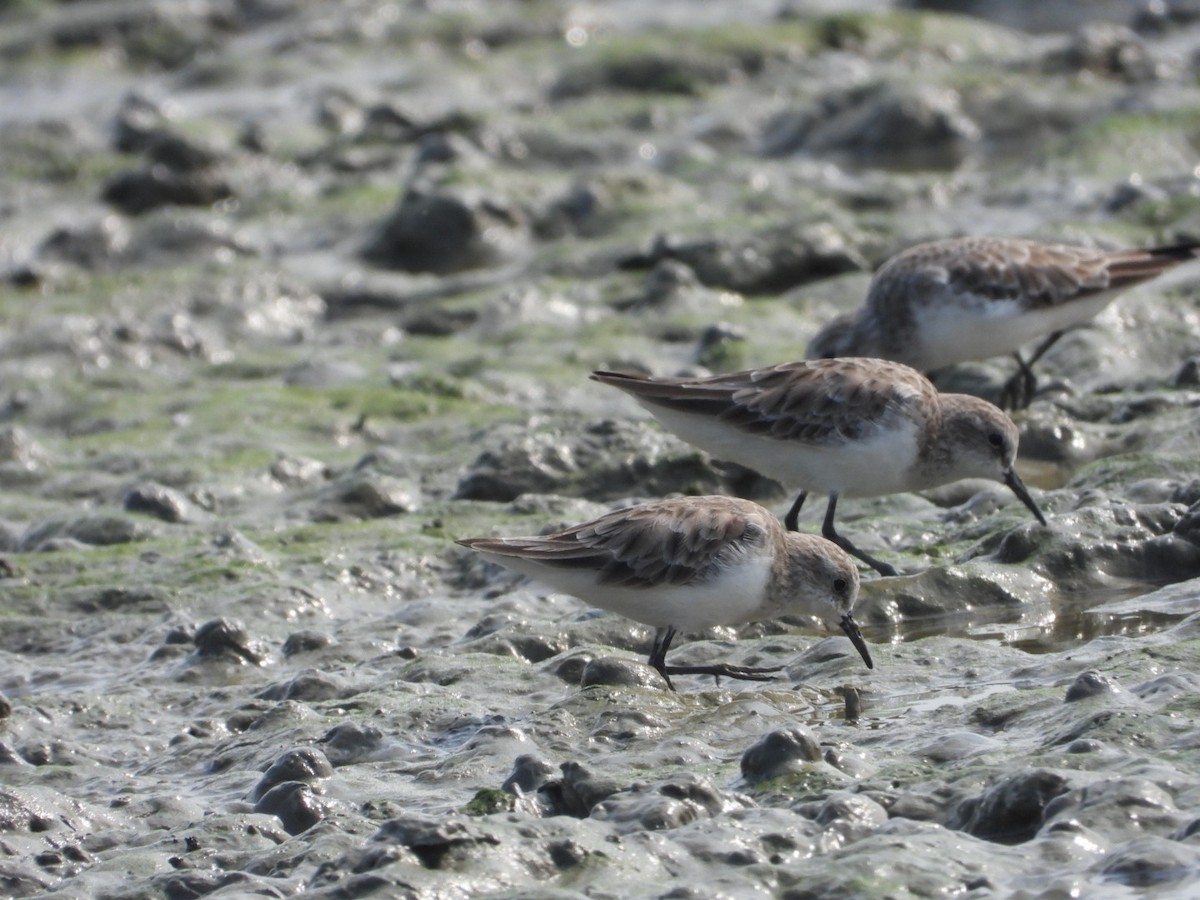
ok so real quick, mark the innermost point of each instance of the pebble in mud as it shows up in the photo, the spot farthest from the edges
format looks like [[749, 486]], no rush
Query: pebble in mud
[[1091, 684], [444, 233], [608, 460], [667, 804], [780, 753], [1011, 811], [612, 670], [295, 804], [162, 502], [350, 742], [306, 641], [306, 764], [225, 638], [528, 774]]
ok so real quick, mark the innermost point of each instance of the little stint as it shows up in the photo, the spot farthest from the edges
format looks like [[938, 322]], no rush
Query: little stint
[[846, 427], [967, 298], [690, 563]]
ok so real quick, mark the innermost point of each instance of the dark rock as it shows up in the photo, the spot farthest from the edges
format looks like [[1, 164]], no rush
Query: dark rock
[[306, 642], [1091, 684], [1152, 862], [1121, 809], [1188, 526], [351, 742], [603, 461], [120, 599], [138, 123], [305, 764], [366, 496], [93, 245], [442, 234], [886, 124], [716, 348], [780, 753], [174, 237], [1010, 811], [1188, 374], [162, 502], [529, 774], [224, 638], [773, 261], [6, 707], [612, 670], [850, 816], [661, 72], [578, 791], [1105, 49], [295, 804], [572, 667], [934, 806], [139, 191], [179, 154], [308, 686], [665, 805], [99, 531], [436, 844], [296, 470]]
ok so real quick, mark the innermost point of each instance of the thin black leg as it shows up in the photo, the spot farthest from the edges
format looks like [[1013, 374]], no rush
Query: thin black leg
[[830, 534], [658, 657], [658, 652], [792, 520], [1044, 346], [1018, 392]]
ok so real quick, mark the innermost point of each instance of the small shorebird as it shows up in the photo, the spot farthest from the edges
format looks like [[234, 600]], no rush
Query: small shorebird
[[845, 427], [691, 563], [970, 298]]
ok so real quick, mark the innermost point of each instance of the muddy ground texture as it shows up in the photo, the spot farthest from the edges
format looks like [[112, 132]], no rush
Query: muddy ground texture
[[292, 295]]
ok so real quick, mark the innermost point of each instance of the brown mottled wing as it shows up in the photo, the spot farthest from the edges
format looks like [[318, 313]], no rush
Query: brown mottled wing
[[820, 401], [672, 542], [1040, 275]]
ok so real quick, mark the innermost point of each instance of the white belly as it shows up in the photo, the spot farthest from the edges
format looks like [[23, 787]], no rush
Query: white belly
[[953, 332], [735, 596], [872, 467]]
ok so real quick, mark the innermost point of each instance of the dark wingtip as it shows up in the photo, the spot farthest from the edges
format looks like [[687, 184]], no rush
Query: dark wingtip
[[856, 638]]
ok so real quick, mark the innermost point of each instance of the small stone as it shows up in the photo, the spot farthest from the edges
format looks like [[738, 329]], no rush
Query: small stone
[[162, 502], [306, 642], [529, 773], [139, 191], [350, 742], [295, 805], [1011, 810], [612, 670], [780, 753], [1090, 684], [306, 764], [443, 233], [225, 637]]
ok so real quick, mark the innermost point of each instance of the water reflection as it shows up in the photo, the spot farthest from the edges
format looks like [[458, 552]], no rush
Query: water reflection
[[1042, 627]]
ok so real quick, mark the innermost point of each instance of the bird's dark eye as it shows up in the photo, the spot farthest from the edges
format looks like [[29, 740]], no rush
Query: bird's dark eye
[[996, 439], [840, 585]]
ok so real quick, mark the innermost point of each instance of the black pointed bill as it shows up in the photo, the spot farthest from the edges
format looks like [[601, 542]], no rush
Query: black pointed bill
[[856, 638], [1013, 480]]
